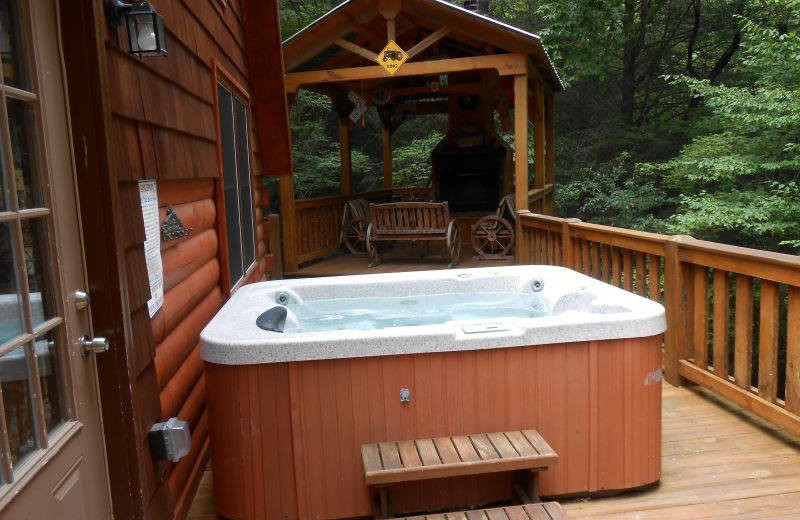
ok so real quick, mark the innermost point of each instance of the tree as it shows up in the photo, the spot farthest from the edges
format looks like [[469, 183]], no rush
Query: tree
[[740, 178]]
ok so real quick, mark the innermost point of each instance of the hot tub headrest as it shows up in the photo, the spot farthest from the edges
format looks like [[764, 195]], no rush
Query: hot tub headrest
[[273, 320]]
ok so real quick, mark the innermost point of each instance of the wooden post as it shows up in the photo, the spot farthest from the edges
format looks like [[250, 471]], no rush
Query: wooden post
[[567, 251], [675, 341], [539, 137], [521, 141], [346, 153], [288, 225], [550, 138], [275, 248], [387, 158], [521, 246]]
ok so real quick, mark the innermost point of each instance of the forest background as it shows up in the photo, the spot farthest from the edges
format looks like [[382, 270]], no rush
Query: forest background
[[679, 116]]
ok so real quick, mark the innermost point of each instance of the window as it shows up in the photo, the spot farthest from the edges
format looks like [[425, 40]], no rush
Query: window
[[236, 183], [33, 396]]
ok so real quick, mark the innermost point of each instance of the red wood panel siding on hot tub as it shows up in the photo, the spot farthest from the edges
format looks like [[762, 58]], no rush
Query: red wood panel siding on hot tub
[[286, 437]]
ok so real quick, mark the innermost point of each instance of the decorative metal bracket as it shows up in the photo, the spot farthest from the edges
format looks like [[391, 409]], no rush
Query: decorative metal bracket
[[172, 227]]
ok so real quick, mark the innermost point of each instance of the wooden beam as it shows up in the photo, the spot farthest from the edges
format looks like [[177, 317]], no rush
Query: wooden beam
[[356, 49], [434, 37], [521, 141], [505, 64], [550, 138], [290, 261], [345, 151], [538, 136], [297, 52], [269, 100], [388, 179]]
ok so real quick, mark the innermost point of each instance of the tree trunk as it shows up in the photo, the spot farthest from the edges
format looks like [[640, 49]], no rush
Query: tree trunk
[[629, 57]]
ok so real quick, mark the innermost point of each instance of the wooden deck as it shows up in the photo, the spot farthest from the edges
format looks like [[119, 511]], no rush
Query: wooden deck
[[718, 462], [397, 259]]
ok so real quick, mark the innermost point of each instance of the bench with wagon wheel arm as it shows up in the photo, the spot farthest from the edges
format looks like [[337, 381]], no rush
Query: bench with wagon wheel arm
[[413, 222], [523, 451]]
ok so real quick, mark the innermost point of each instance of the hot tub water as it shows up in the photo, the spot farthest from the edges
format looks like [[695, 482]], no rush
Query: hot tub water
[[377, 313]]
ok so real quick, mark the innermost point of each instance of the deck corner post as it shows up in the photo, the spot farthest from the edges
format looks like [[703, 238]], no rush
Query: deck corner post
[[521, 141], [675, 340], [522, 247], [567, 251]]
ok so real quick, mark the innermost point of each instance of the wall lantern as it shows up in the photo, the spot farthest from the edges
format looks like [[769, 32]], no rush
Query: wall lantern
[[146, 34]]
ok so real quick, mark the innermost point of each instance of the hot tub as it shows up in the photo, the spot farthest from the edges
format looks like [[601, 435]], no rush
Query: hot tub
[[471, 351]]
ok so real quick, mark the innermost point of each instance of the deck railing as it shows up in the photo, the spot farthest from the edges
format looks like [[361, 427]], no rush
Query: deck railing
[[733, 313], [416, 194], [319, 222], [319, 219]]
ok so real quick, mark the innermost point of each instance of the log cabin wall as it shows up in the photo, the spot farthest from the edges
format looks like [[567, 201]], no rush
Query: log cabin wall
[[163, 127]]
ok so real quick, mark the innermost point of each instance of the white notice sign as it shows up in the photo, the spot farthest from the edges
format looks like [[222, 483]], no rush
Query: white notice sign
[[148, 193]]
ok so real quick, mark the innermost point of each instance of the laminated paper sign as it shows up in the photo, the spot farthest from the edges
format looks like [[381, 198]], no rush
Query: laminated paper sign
[[148, 194]]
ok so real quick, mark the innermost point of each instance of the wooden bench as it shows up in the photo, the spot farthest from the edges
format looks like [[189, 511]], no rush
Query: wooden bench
[[541, 511], [524, 451], [413, 222]]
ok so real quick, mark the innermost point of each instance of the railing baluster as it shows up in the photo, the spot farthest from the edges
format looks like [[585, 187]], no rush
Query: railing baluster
[[640, 276], [743, 351], [720, 333], [627, 275], [615, 267], [596, 260], [606, 261], [768, 341], [793, 351], [700, 327], [655, 277], [585, 267]]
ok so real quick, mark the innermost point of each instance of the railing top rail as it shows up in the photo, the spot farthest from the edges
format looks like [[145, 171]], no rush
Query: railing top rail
[[777, 267], [641, 241], [337, 199]]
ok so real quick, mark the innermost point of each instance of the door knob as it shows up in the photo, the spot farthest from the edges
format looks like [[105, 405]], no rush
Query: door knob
[[94, 345], [81, 299]]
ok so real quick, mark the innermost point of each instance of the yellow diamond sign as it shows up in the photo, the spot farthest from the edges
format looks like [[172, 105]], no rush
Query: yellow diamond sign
[[392, 57]]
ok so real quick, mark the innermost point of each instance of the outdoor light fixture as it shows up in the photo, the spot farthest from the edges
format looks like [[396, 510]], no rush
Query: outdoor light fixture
[[146, 35]]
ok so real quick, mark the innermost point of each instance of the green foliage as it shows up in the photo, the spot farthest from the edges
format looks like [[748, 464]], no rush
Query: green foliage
[[740, 181], [412, 161], [609, 194], [680, 116]]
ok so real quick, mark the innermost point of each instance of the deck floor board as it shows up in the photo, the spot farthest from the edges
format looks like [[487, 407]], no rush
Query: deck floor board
[[719, 462]]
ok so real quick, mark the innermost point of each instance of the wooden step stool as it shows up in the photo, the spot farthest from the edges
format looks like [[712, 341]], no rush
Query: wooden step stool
[[522, 451], [541, 511]]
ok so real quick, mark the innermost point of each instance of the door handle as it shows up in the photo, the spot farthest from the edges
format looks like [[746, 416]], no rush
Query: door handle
[[94, 345], [81, 299]]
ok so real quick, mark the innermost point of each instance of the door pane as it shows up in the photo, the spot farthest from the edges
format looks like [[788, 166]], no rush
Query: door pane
[[22, 126], [37, 263], [10, 302], [15, 382], [49, 362], [12, 46]]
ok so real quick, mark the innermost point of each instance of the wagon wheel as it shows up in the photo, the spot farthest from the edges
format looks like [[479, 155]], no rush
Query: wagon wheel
[[355, 236], [492, 237], [453, 243]]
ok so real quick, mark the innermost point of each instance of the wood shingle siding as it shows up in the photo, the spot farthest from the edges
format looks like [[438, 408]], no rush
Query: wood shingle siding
[[162, 126]]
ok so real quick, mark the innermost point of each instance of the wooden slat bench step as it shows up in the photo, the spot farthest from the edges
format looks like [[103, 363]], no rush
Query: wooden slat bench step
[[406, 461], [523, 451], [542, 511]]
